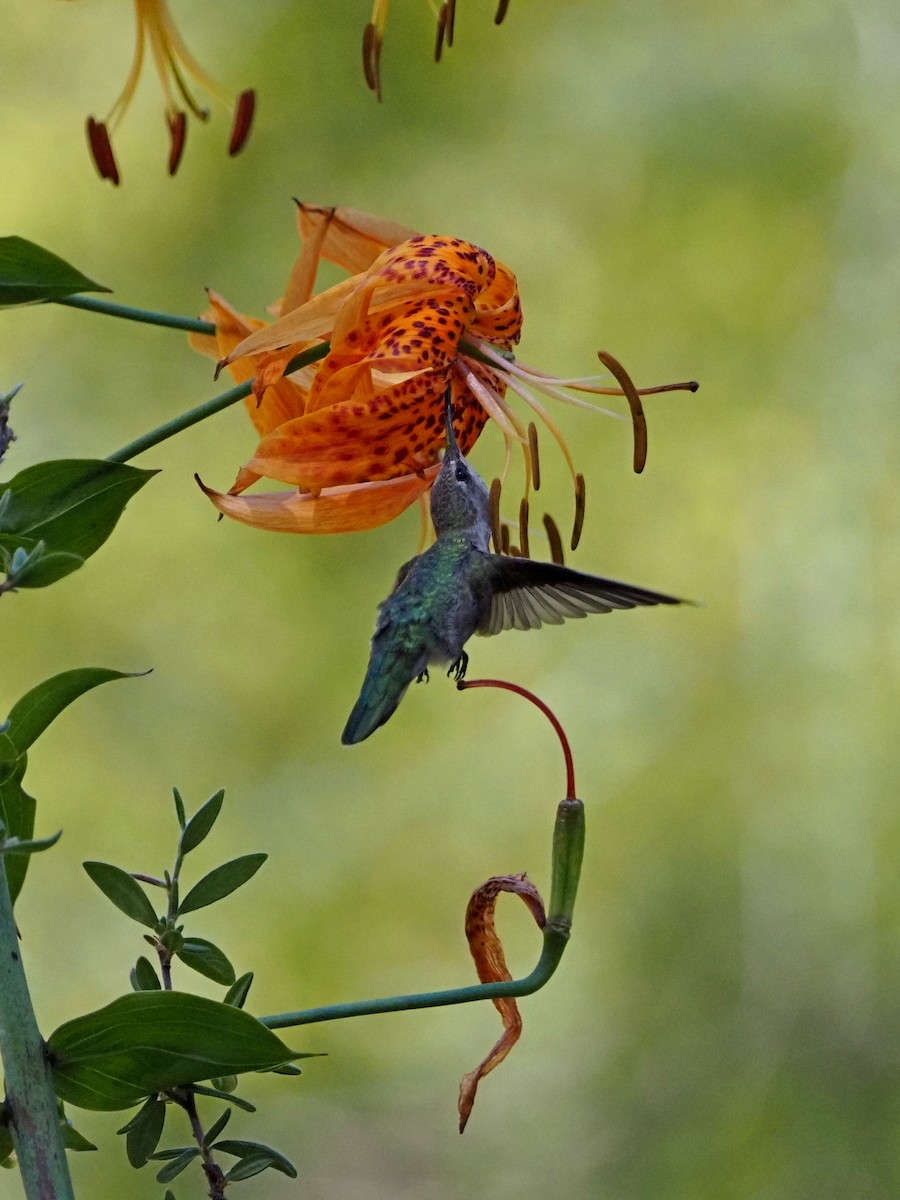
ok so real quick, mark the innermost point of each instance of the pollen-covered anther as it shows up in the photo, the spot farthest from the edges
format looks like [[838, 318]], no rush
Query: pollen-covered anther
[[553, 537], [177, 123], [496, 529], [578, 523], [445, 24], [523, 527], [244, 111], [371, 55], [638, 420], [101, 150], [533, 454]]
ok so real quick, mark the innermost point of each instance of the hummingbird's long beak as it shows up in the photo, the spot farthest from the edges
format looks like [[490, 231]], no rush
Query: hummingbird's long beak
[[453, 450]]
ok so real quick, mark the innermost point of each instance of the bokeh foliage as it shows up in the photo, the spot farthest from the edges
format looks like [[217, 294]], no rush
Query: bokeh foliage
[[707, 190]]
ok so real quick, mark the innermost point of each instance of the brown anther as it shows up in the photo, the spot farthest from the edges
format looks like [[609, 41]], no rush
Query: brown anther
[[514, 551], [101, 151], [494, 505], [244, 111], [556, 546], [578, 523], [504, 539], [371, 52], [523, 527], [177, 134], [444, 35], [501, 12], [534, 456], [638, 420]]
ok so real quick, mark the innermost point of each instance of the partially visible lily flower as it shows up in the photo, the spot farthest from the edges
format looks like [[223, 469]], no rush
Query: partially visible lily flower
[[373, 36], [173, 61], [360, 433]]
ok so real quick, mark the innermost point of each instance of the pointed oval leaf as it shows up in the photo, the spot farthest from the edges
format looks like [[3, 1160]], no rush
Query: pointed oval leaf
[[219, 1092], [207, 959], [73, 1140], [179, 807], [177, 1165], [71, 505], [149, 1042], [31, 715], [144, 1131], [17, 810], [222, 881], [217, 1126], [30, 274], [201, 822], [237, 993], [16, 845], [144, 977], [254, 1153], [124, 891]]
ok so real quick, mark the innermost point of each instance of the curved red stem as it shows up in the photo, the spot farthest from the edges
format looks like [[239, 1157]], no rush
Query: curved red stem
[[545, 709]]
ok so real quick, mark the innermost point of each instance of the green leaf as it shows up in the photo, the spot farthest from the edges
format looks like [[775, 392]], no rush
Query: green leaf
[[177, 1165], [17, 810], [71, 506], [15, 845], [217, 1126], [31, 715], [149, 1042], [30, 274], [286, 1069], [124, 891], [143, 1131], [73, 1140], [179, 807], [143, 976], [209, 960], [201, 822], [222, 1093], [222, 881], [237, 993], [255, 1155], [6, 1143]]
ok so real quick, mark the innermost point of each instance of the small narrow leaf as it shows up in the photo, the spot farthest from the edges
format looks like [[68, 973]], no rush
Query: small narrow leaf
[[177, 1165], [16, 845], [202, 956], [237, 993], [222, 881], [73, 1140], [30, 274], [149, 1042], [201, 822], [217, 1126], [286, 1069], [144, 1131], [253, 1153], [124, 891], [17, 810], [144, 977], [225, 1093], [179, 807]]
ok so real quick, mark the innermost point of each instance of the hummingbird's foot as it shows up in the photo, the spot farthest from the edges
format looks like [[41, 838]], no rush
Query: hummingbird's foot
[[458, 669], [422, 677]]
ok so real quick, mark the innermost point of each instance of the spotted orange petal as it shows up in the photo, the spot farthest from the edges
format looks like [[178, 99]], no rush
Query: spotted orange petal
[[334, 510]]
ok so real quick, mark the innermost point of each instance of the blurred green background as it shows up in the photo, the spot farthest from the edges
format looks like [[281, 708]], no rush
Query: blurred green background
[[706, 189]]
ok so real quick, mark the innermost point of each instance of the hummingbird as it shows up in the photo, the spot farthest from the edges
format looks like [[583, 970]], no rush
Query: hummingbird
[[458, 588]]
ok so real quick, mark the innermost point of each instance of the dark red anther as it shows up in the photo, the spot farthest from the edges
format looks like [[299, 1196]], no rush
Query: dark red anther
[[501, 12], [243, 120], [371, 53], [446, 20], [177, 134], [101, 151]]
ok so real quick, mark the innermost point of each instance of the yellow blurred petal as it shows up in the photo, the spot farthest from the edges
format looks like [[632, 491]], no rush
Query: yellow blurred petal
[[352, 239], [334, 510]]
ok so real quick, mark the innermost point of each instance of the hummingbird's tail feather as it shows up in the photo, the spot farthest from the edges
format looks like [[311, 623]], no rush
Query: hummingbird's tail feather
[[389, 674]]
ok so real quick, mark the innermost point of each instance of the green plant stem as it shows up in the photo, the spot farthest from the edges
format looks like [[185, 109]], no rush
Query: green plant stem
[[31, 1102], [556, 936], [208, 408], [145, 316]]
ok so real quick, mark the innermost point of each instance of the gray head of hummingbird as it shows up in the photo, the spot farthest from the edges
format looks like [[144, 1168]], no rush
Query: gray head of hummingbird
[[460, 501]]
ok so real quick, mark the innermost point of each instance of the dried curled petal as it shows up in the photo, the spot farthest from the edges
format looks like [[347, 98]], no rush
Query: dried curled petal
[[490, 963]]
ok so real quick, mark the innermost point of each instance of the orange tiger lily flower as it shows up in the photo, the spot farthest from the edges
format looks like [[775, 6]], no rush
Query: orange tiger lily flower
[[173, 61], [359, 434]]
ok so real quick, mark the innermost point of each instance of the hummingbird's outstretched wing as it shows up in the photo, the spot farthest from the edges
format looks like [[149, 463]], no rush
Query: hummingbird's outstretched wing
[[521, 593]]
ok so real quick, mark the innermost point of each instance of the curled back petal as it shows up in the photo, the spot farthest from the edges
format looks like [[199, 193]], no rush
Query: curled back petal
[[490, 963], [334, 510], [351, 239]]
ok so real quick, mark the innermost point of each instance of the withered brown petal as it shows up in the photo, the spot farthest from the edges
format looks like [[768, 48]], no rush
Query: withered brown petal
[[490, 963]]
